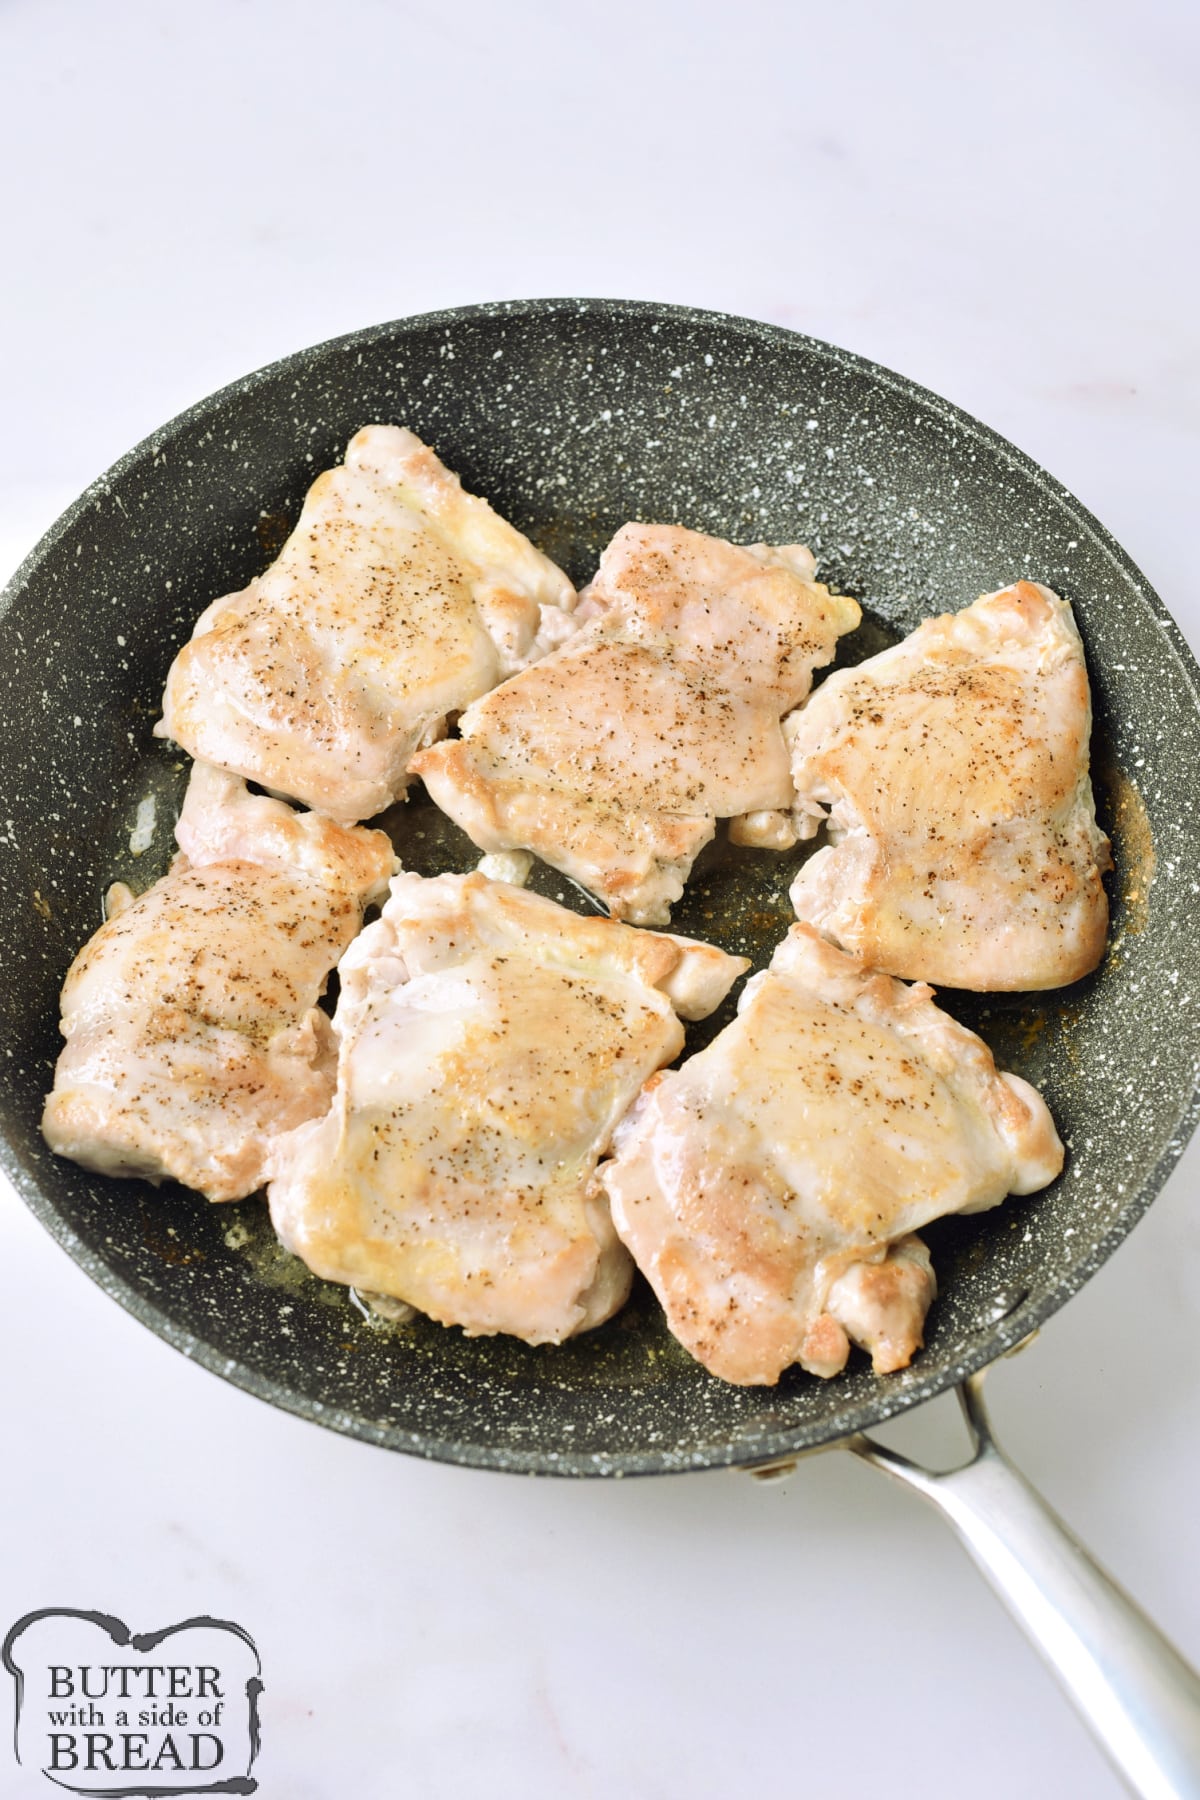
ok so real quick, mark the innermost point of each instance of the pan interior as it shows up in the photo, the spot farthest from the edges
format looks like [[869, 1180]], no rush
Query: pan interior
[[573, 417]]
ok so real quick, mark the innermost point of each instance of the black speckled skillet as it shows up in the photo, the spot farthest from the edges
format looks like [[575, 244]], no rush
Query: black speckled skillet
[[572, 417]]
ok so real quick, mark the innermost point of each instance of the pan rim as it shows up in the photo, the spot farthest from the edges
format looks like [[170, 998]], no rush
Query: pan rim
[[900, 1392]]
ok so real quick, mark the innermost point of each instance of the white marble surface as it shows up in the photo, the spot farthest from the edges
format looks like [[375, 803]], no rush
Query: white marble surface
[[1000, 204]]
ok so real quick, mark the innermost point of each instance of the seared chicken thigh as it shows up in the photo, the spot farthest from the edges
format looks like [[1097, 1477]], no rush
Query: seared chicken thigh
[[770, 1187], [964, 847], [397, 600], [193, 1033], [613, 758], [489, 1041]]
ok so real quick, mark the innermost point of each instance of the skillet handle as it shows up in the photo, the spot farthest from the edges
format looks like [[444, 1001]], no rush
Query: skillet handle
[[1138, 1695]]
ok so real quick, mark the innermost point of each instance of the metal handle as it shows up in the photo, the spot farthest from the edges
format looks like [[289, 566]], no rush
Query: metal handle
[[1138, 1695]]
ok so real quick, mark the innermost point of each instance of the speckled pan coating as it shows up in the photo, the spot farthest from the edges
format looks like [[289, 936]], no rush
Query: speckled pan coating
[[573, 416]]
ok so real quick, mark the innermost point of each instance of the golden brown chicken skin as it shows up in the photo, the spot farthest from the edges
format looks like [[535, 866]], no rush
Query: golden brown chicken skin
[[613, 758], [191, 1019], [964, 848], [397, 599], [771, 1187], [489, 1041]]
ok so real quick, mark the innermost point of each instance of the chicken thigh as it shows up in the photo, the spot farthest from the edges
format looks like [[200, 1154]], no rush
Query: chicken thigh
[[964, 847], [770, 1188], [489, 1041], [193, 1033], [397, 599], [613, 758]]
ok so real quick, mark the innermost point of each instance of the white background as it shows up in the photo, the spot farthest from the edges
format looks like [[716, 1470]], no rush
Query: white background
[[1000, 202]]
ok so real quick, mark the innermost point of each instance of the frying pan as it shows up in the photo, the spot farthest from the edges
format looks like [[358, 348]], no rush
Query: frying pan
[[572, 417]]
